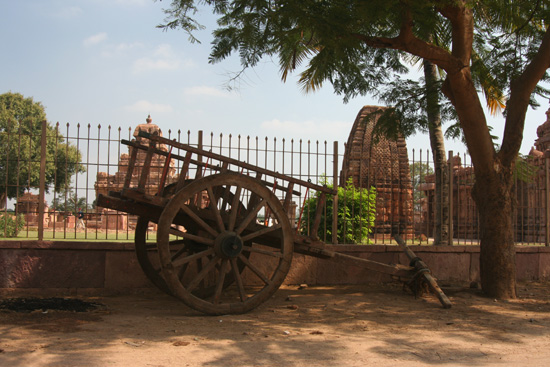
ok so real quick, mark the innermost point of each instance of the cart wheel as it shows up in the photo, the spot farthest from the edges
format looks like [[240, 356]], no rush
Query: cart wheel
[[147, 253], [224, 231], [146, 247]]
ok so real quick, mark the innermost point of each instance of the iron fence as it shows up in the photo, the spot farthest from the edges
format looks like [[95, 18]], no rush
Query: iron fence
[[51, 175]]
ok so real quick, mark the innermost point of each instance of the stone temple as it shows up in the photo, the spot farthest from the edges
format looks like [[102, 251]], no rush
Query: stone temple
[[530, 187], [371, 160], [115, 182]]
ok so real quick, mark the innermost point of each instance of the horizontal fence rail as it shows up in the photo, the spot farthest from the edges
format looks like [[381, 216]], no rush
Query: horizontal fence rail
[[51, 175]]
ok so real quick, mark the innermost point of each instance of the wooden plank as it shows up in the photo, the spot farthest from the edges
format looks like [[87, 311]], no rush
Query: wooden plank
[[138, 195], [146, 166], [130, 170], [420, 266], [149, 211], [187, 158], [236, 162], [321, 201], [183, 172]]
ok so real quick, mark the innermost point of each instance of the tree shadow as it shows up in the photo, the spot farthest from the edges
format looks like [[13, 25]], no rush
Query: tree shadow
[[320, 326]]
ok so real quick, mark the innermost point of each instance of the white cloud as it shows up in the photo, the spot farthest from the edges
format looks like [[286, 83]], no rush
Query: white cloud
[[95, 39], [205, 91], [148, 107], [132, 2], [309, 130], [120, 49], [146, 64], [162, 58]]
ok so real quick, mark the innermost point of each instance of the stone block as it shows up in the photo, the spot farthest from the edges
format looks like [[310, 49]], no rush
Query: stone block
[[527, 266], [123, 271], [35, 268]]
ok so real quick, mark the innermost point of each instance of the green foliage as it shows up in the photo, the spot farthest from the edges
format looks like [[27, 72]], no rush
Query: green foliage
[[525, 170], [67, 201], [361, 47], [10, 225], [356, 214], [20, 136]]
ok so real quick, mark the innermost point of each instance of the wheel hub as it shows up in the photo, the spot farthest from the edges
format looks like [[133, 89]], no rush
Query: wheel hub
[[229, 245]]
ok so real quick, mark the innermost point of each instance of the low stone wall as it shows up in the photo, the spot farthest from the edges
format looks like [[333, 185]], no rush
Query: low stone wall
[[71, 268]]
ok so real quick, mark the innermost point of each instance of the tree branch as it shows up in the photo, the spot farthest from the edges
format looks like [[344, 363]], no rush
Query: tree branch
[[408, 42], [520, 92]]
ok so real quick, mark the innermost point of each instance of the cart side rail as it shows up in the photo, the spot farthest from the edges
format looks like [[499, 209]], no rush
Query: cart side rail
[[235, 162]]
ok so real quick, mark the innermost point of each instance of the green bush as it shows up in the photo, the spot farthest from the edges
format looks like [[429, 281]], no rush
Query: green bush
[[356, 214], [11, 225]]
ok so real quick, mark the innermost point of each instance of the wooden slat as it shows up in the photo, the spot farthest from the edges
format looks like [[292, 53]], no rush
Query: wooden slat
[[237, 163], [183, 172], [321, 201], [146, 166], [130, 170], [288, 197]]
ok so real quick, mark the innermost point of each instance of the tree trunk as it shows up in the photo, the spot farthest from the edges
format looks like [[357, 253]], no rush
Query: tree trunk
[[492, 193], [437, 143]]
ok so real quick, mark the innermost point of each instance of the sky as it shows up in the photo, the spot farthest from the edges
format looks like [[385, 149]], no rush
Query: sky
[[105, 62]]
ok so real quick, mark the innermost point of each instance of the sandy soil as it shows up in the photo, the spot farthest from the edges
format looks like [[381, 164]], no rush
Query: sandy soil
[[315, 326]]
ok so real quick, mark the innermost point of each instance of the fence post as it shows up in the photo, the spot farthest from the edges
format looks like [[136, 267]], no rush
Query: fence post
[[198, 174], [451, 191], [547, 197], [42, 187], [335, 197]]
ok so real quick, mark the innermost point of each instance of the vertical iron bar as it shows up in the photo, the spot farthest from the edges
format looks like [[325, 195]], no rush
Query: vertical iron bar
[[547, 197], [42, 188], [451, 189], [335, 197], [198, 174]]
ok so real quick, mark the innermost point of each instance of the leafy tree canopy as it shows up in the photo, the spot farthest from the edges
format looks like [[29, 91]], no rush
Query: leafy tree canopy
[[20, 135], [359, 46]]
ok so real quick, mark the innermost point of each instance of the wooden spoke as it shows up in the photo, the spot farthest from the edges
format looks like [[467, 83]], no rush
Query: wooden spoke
[[234, 209], [190, 258], [214, 208], [220, 281], [255, 270], [200, 276], [176, 232], [250, 216], [253, 200], [180, 252], [225, 196], [260, 232], [199, 239], [238, 279], [198, 220], [181, 271], [262, 251], [176, 242]]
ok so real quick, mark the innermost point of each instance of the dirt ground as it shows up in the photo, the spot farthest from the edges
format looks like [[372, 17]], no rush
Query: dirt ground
[[314, 326]]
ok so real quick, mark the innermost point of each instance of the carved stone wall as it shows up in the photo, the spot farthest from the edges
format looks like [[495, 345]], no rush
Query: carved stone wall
[[529, 216], [115, 182], [376, 161]]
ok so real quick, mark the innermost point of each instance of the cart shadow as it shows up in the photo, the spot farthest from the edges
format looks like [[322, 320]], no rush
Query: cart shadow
[[320, 326]]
